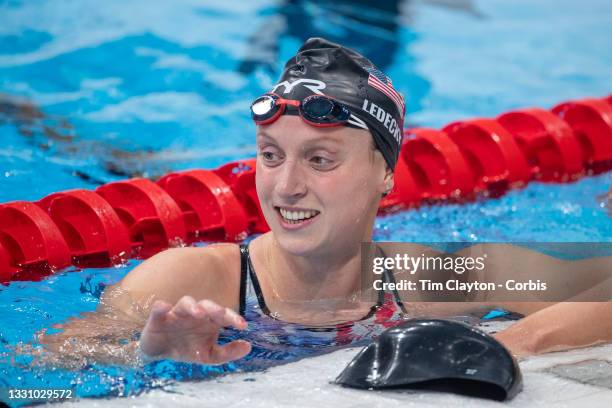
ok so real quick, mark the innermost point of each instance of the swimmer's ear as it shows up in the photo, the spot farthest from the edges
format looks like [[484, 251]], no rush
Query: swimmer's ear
[[389, 181]]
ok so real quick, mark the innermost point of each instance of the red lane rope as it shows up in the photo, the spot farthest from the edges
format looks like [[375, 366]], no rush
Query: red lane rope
[[139, 217]]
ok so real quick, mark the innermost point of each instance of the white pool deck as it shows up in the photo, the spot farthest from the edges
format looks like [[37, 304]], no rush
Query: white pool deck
[[308, 383]]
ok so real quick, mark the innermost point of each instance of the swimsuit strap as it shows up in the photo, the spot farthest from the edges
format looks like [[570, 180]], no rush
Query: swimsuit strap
[[390, 277], [243, 278], [248, 275]]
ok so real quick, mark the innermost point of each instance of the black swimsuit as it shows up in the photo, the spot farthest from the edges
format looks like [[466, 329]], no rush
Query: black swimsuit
[[249, 284]]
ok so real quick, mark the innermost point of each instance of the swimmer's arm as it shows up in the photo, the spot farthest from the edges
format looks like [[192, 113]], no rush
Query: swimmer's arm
[[548, 326], [73, 351], [202, 273], [588, 279], [558, 327], [552, 326], [110, 334], [107, 335]]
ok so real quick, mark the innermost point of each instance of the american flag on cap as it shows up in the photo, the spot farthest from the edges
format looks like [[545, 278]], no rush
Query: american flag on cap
[[380, 81]]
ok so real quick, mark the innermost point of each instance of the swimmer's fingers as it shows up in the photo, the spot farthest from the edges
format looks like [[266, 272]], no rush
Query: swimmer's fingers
[[229, 352], [222, 316], [160, 307], [186, 307], [159, 311]]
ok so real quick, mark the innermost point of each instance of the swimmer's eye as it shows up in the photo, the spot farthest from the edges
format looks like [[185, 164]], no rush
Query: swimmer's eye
[[269, 157], [321, 162]]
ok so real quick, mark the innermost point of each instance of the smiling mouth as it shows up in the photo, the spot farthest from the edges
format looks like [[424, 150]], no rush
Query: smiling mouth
[[296, 216]]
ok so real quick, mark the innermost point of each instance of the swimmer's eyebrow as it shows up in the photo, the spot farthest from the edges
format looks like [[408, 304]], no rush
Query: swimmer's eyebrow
[[320, 139], [324, 139], [262, 135]]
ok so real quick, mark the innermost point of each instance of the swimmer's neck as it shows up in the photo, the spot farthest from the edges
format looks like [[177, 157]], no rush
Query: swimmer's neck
[[301, 279]]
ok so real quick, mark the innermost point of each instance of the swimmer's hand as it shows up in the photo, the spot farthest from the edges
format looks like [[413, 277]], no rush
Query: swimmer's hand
[[189, 331]]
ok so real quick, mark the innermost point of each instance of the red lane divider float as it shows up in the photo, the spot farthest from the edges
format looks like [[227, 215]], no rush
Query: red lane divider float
[[210, 207], [152, 218], [591, 122], [548, 143], [90, 227], [437, 165], [240, 176], [7, 269], [31, 238], [492, 154], [140, 217]]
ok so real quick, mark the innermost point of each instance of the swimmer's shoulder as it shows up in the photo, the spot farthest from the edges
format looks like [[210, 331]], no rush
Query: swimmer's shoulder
[[211, 272]]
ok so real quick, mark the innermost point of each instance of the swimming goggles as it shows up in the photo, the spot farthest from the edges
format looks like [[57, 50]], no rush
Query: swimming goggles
[[316, 110]]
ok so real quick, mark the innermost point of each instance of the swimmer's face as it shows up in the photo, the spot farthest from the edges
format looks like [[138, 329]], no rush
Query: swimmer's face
[[333, 176]]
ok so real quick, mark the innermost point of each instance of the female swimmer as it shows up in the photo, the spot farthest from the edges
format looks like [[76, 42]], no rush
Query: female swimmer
[[328, 137]]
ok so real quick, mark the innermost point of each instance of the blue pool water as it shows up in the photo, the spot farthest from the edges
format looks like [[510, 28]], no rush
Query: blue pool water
[[92, 94]]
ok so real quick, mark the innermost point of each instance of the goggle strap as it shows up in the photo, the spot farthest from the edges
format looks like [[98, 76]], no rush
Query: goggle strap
[[355, 121]]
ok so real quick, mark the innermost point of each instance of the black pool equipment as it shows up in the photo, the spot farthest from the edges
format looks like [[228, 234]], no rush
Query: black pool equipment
[[436, 354]]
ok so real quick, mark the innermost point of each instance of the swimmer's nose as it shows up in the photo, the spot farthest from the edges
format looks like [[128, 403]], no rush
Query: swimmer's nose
[[290, 183]]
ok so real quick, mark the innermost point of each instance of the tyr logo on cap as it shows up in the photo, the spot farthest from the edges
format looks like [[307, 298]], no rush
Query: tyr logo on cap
[[314, 85]]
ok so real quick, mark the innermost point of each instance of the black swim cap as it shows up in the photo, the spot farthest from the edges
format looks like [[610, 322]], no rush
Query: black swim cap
[[323, 67], [436, 354]]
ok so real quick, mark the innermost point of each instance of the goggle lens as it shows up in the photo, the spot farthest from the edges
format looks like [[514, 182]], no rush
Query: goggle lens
[[263, 107], [317, 107]]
